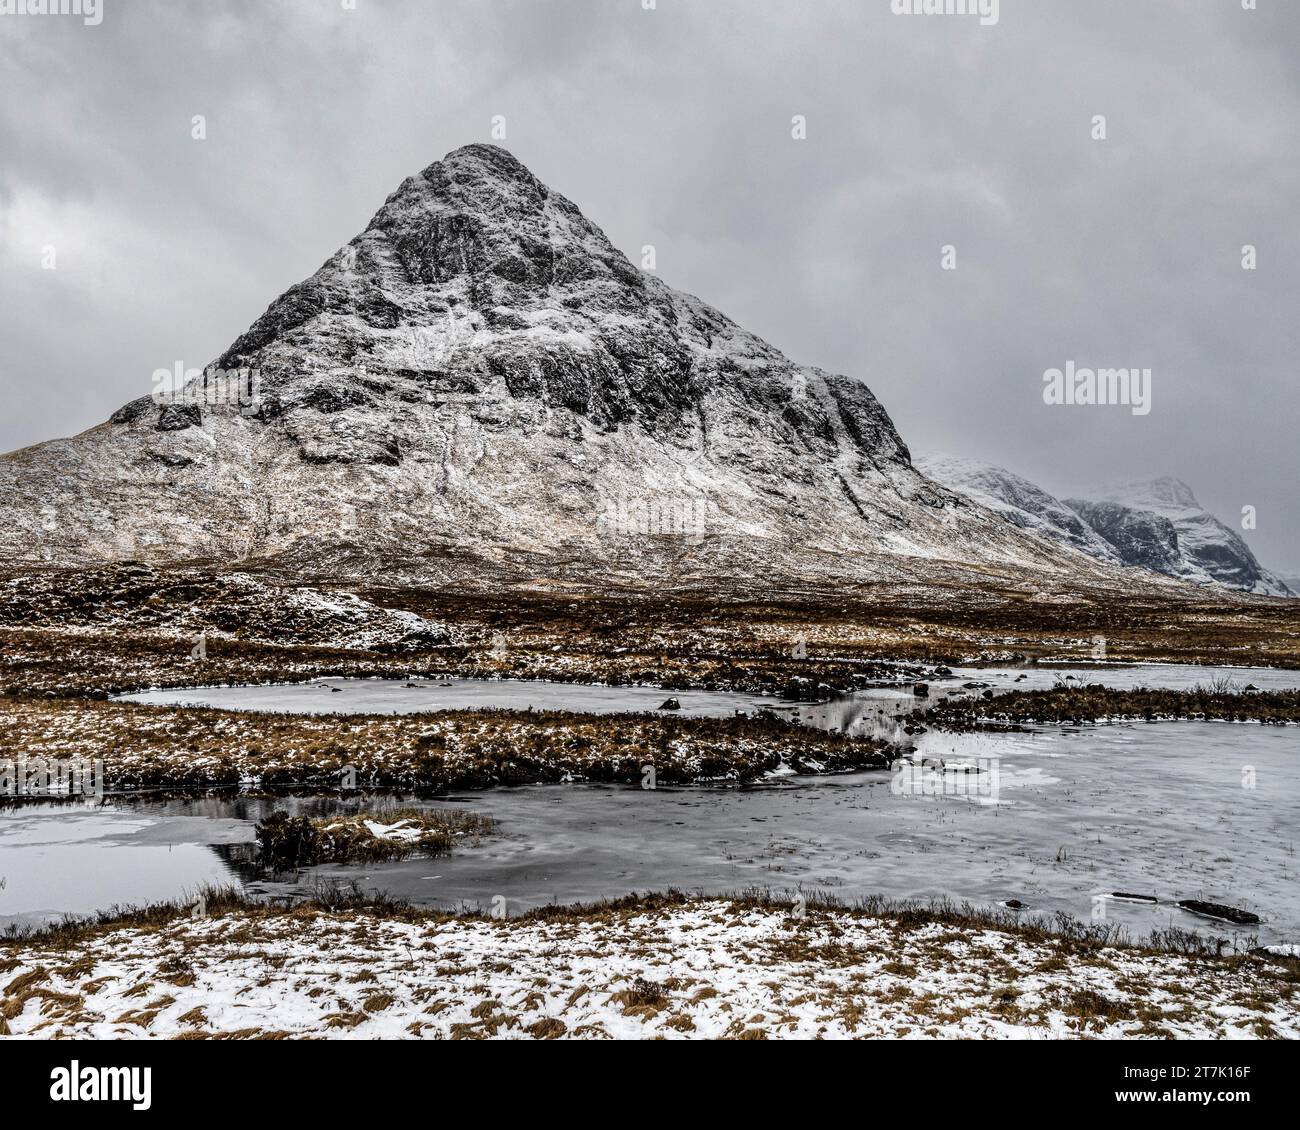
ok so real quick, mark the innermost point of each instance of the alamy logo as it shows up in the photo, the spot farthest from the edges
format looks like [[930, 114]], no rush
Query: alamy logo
[[90, 11], [685, 518], [987, 10], [237, 388], [1073, 385], [42, 777], [102, 1085]]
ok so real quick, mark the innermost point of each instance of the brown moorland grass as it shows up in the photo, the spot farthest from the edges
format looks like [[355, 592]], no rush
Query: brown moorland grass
[[875, 965], [696, 637], [289, 842], [650, 966], [1068, 704], [1075, 938], [676, 640], [351, 900], [179, 748]]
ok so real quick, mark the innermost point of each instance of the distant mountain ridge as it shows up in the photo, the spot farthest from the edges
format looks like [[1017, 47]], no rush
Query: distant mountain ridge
[[1155, 524], [1019, 501], [1209, 551]]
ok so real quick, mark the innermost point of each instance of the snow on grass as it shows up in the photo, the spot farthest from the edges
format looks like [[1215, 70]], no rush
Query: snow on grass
[[290, 842], [673, 968], [183, 747]]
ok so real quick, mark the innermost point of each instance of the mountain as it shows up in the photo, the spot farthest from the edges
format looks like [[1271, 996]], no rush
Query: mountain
[[1156, 525], [480, 386], [1161, 520], [1139, 537], [1019, 501]]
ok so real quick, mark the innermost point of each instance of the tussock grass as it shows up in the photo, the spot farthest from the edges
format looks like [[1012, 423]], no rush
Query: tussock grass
[[350, 900], [191, 748], [289, 842], [1220, 701]]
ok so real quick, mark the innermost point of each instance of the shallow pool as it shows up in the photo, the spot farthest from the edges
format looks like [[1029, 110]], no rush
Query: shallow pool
[[1058, 820]]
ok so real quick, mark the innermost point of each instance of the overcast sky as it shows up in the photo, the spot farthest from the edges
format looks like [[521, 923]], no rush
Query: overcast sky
[[673, 127]]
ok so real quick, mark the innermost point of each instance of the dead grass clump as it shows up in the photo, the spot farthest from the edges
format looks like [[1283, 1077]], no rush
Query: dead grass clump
[[1088, 1006], [289, 842], [548, 1028]]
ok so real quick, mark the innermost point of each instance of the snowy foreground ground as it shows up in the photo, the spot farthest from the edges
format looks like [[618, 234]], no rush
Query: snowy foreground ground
[[675, 969]]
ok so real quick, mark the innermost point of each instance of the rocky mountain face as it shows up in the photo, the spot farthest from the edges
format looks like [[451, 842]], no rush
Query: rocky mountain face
[[1156, 525], [480, 386], [1138, 537], [1161, 519]]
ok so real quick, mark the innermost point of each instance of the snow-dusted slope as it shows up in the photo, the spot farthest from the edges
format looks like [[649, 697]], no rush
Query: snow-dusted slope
[[1156, 524], [1204, 550], [1018, 500], [481, 384]]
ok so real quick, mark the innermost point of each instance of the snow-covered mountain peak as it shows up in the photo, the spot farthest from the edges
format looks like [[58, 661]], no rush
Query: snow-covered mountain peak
[[1164, 495], [480, 383], [1154, 524]]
